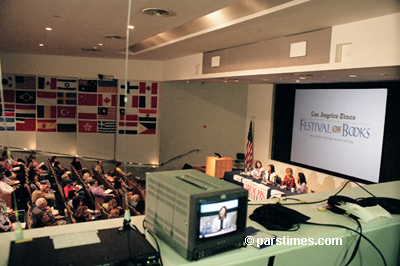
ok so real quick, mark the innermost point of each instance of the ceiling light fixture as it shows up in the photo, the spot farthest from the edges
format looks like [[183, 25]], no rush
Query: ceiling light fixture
[[41, 44], [352, 76], [49, 29], [159, 12], [131, 27]]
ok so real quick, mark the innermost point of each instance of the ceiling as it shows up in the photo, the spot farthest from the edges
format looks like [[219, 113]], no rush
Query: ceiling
[[97, 28]]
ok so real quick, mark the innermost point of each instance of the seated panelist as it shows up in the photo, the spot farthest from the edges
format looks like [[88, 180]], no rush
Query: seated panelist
[[258, 171]]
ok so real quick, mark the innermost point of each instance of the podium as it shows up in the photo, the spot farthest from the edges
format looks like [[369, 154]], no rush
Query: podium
[[217, 167]]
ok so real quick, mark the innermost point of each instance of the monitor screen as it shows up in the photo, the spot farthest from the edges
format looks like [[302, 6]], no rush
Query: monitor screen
[[218, 218]]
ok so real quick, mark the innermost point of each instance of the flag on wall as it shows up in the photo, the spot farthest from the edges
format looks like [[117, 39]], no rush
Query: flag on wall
[[87, 112], [87, 99], [25, 82], [25, 124], [46, 125], [46, 111], [46, 98], [107, 99], [109, 86], [46, 83], [86, 126], [106, 127], [66, 98], [67, 84], [26, 97], [105, 113], [9, 96], [7, 123], [88, 85], [249, 147]]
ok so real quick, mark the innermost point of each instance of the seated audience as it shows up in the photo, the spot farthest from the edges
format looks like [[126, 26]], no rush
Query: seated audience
[[83, 215], [301, 186], [99, 167], [76, 164], [3, 185], [5, 223], [97, 191], [58, 169], [43, 215], [288, 181]]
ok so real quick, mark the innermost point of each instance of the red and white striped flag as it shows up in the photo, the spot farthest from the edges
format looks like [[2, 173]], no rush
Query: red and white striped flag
[[249, 147]]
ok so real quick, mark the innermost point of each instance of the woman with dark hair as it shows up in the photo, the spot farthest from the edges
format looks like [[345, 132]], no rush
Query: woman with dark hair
[[270, 176], [221, 222], [301, 186], [258, 171], [76, 164]]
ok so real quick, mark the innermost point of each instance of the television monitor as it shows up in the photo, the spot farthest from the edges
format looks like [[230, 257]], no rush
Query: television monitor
[[196, 214]]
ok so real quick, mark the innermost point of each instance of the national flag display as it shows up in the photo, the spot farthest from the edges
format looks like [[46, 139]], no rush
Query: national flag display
[[25, 82], [87, 99], [26, 97], [86, 126], [68, 104], [7, 124], [107, 127], [46, 111], [47, 125], [109, 86], [107, 100], [86, 85], [87, 112], [46, 98], [67, 84], [25, 124], [249, 147], [47, 83], [9, 96], [25, 111], [66, 111], [66, 98], [105, 113]]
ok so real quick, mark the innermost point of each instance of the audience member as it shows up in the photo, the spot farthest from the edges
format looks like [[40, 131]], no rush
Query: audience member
[[82, 214], [97, 191], [99, 167], [43, 215], [76, 164], [58, 169], [3, 185], [5, 223], [288, 181]]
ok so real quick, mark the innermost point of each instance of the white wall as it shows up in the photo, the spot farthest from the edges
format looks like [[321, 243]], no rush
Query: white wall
[[209, 117]]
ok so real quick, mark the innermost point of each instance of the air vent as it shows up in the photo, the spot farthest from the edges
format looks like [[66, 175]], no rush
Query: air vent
[[113, 37], [93, 49], [157, 12]]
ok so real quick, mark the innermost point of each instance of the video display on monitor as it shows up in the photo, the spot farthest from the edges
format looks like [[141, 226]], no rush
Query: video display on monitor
[[218, 218]]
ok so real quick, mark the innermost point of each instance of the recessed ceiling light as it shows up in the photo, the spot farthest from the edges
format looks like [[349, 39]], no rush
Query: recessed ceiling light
[[302, 77], [41, 44], [113, 37], [131, 27], [352, 76], [93, 49], [159, 12], [49, 29], [100, 44]]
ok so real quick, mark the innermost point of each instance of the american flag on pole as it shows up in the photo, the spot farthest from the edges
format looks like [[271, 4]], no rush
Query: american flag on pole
[[249, 147]]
